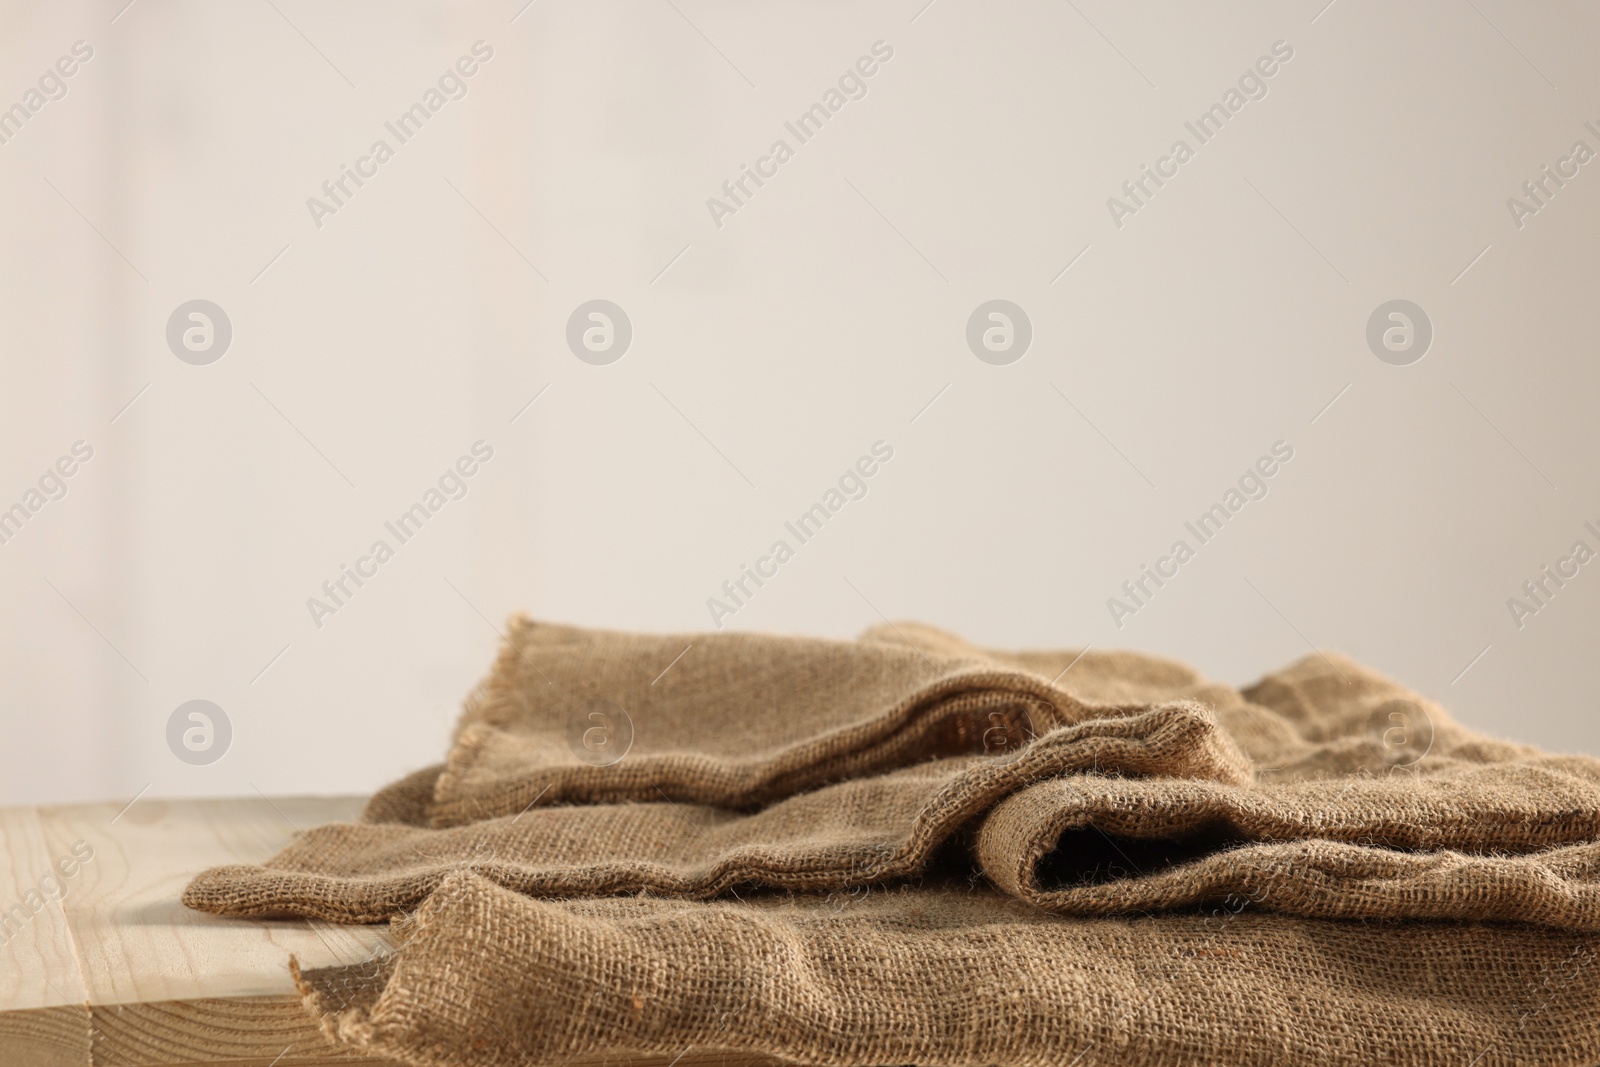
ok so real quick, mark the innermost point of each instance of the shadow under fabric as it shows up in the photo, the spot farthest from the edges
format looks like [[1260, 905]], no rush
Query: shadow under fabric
[[907, 849]]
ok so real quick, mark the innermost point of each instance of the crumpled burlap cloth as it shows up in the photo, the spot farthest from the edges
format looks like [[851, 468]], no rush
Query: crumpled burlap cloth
[[911, 850]]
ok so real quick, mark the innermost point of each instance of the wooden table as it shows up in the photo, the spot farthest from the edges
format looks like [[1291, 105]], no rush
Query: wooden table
[[112, 969]]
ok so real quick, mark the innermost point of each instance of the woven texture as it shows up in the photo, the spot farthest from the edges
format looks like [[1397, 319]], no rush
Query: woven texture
[[911, 850]]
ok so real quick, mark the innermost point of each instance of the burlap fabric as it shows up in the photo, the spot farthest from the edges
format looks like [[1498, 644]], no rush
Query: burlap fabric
[[908, 849], [952, 976]]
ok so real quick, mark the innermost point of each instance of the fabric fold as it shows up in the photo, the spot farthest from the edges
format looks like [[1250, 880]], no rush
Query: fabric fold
[[1492, 844], [859, 832], [734, 720]]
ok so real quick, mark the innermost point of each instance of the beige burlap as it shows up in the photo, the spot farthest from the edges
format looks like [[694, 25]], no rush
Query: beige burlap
[[930, 844], [734, 720], [953, 976], [857, 832]]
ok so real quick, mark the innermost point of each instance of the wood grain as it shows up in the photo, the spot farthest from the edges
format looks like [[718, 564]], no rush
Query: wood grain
[[104, 965], [39, 969]]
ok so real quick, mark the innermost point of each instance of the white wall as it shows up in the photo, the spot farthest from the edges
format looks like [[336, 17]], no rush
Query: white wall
[[771, 351]]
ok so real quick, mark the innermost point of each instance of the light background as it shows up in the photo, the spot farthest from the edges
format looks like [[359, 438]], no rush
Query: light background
[[370, 352]]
